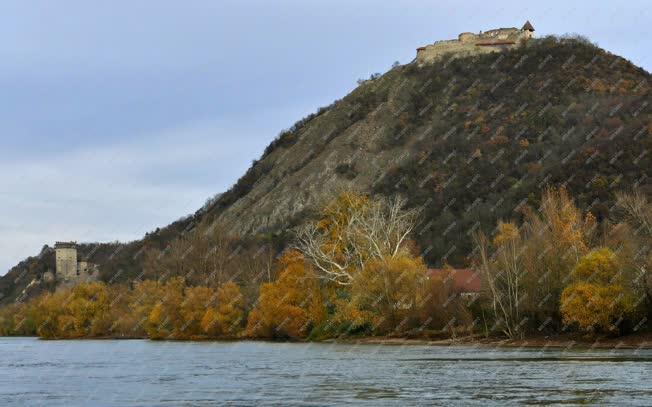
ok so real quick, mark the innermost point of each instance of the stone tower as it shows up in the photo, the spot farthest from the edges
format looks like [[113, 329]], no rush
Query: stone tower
[[66, 260], [528, 29]]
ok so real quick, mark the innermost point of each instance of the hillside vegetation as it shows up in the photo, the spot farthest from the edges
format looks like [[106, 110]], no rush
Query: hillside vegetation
[[470, 141]]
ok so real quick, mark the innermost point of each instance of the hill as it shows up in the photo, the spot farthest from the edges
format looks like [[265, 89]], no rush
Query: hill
[[471, 140]]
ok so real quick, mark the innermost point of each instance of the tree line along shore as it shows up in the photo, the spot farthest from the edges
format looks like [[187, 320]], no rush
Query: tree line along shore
[[554, 276]]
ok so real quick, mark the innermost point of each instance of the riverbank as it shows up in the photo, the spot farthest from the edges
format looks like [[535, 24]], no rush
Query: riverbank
[[568, 341]]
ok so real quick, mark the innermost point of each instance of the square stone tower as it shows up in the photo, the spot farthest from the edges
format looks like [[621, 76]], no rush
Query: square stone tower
[[66, 260]]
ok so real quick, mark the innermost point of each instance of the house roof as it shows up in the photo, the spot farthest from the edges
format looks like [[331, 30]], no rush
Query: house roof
[[527, 26], [464, 280]]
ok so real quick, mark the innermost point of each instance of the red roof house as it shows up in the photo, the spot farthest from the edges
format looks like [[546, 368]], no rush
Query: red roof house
[[464, 280]]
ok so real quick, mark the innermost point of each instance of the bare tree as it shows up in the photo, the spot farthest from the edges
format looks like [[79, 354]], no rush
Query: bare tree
[[638, 217], [503, 275], [385, 226], [331, 260], [638, 211], [376, 230]]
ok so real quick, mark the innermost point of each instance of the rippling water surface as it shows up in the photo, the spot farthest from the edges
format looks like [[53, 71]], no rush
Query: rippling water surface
[[117, 373]]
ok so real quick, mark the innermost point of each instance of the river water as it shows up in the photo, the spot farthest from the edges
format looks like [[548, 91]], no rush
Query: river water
[[147, 373]]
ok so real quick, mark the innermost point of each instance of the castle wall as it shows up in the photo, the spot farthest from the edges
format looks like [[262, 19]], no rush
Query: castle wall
[[436, 51], [86, 271], [472, 44]]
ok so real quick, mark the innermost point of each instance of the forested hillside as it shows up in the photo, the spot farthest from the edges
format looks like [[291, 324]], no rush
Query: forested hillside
[[469, 140]]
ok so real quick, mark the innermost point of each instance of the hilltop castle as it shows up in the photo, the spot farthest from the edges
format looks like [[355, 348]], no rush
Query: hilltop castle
[[67, 266], [472, 44]]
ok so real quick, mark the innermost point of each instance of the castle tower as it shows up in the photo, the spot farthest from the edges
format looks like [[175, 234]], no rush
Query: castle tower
[[66, 260], [528, 29]]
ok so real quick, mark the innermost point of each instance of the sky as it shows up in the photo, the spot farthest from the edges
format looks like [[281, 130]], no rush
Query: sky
[[118, 117]]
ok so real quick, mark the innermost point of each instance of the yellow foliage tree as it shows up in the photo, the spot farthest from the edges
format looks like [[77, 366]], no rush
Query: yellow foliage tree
[[8, 314], [230, 310], [121, 321], [197, 300], [386, 292], [144, 298], [599, 297], [290, 306], [88, 308], [50, 307], [80, 312], [337, 215], [24, 321], [165, 320], [225, 319]]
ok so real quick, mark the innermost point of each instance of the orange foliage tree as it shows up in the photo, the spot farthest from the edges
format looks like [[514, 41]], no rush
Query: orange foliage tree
[[225, 318], [290, 306], [196, 302], [165, 320]]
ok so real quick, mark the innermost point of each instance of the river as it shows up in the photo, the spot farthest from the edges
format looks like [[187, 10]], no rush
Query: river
[[148, 373]]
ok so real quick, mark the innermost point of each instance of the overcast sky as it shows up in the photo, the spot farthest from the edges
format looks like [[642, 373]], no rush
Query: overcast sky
[[117, 117]]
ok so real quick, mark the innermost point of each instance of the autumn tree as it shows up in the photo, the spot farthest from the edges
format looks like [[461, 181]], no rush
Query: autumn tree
[[599, 297], [556, 236], [19, 319], [329, 244], [387, 291], [49, 308], [360, 249], [24, 317], [165, 320], [90, 306], [124, 321], [146, 295], [196, 301], [354, 230], [169, 310], [7, 319], [526, 268], [290, 306], [226, 317], [81, 313]]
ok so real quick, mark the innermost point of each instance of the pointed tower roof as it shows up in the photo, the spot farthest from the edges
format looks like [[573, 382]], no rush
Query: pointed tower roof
[[527, 26]]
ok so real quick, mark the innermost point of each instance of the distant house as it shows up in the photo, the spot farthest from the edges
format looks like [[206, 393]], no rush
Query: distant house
[[468, 282]]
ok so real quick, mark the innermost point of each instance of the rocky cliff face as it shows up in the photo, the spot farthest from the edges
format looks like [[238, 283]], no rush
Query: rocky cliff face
[[471, 140], [337, 150]]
